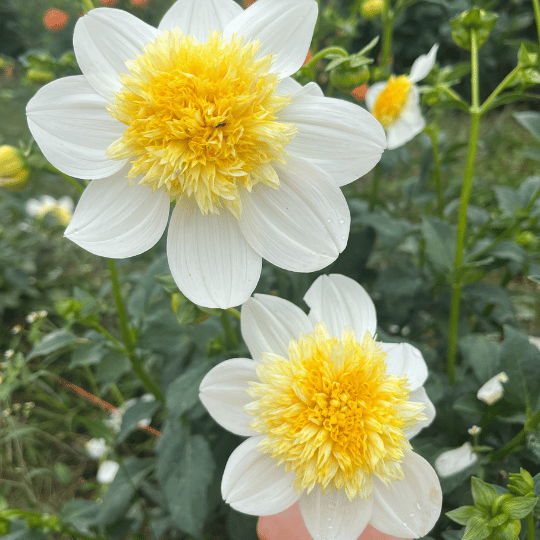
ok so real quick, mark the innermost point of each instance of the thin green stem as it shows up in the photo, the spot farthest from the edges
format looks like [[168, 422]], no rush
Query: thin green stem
[[529, 523], [454, 95], [87, 5], [235, 313], [231, 339], [536, 6], [115, 391], [375, 187], [503, 84], [433, 133], [388, 30], [462, 219], [91, 380], [67, 178], [323, 53], [126, 336], [96, 326]]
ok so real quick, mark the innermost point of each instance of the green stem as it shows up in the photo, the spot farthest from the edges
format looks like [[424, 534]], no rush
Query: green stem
[[504, 83], [231, 338], [91, 380], [96, 326], [235, 313], [474, 112], [375, 187], [323, 53], [529, 522], [433, 133], [126, 336], [87, 5], [388, 29], [536, 6], [67, 178], [115, 391]]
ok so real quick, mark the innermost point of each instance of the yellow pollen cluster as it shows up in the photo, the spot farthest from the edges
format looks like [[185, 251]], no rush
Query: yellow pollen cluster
[[201, 119], [391, 100], [332, 414]]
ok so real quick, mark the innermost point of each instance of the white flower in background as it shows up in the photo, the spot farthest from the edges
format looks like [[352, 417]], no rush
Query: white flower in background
[[95, 448], [493, 390], [456, 460], [61, 209], [107, 471], [202, 112], [396, 102], [115, 419], [328, 412]]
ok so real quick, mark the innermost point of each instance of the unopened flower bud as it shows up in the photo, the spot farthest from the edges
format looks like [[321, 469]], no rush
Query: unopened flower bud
[[13, 172], [521, 483], [371, 9]]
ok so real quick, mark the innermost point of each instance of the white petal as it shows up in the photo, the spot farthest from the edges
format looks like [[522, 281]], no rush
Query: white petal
[[492, 391], [289, 86], [455, 460], [410, 507], [103, 40], [269, 323], [107, 471], [340, 137], [253, 484], [423, 65], [115, 219], [373, 93], [200, 17], [73, 129], [302, 226], [223, 393], [284, 29], [340, 302], [409, 123], [210, 260], [420, 396], [405, 360], [332, 516]]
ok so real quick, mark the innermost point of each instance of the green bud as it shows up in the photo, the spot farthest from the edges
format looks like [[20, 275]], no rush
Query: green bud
[[528, 55], [507, 531], [40, 76], [474, 19], [519, 507], [346, 79], [521, 483], [371, 9], [496, 504]]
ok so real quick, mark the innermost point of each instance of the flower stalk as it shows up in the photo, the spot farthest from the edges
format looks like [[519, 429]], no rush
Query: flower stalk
[[433, 133], [388, 30], [88, 5], [536, 6]]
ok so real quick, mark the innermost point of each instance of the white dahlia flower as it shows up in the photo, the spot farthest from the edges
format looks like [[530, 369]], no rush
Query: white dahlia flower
[[396, 102], [328, 412], [202, 112]]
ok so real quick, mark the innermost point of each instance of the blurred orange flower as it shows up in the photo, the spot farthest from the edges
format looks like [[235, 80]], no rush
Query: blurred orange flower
[[108, 2], [359, 93], [139, 3], [55, 19]]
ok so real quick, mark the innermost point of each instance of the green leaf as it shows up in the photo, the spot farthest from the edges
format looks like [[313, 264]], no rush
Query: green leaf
[[80, 513], [141, 410], [463, 514], [477, 529], [440, 242], [241, 526], [183, 392], [87, 354], [519, 507], [483, 493], [508, 199], [530, 121], [537, 485], [520, 360], [481, 353], [112, 366], [59, 339]]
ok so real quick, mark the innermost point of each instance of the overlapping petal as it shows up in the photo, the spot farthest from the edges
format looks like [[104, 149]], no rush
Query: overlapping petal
[[303, 225], [70, 123], [253, 484], [423, 65], [340, 137], [223, 393], [115, 219], [284, 29], [104, 39], [269, 323], [332, 516], [200, 17], [405, 360], [420, 396], [409, 507], [340, 302], [210, 260], [409, 123]]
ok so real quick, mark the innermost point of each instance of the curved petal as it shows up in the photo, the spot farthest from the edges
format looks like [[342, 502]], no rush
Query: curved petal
[[209, 259], [223, 393], [289, 86], [340, 302], [332, 516], [73, 128], [301, 226], [269, 323], [340, 137], [200, 17], [410, 507], [405, 360], [420, 395], [104, 39], [284, 29], [409, 123], [456, 460], [373, 93], [423, 65], [253, 484], [115, 219]]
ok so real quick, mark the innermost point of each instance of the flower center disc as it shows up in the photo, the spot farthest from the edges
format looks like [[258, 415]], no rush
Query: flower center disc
[[201, 119], [332, 414], [391, 100]]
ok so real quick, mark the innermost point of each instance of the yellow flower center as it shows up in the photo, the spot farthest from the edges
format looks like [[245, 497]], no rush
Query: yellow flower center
[[332, 414], [391, 100], [201, 119]]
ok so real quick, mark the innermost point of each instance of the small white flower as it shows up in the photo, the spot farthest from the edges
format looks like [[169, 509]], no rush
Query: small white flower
[[474, 430], [339, 442], [95, 448], [115, 420], [31, 317], [493, 390], [42, 313], [456, 460], [8, 354], [202, 112], [396, 102], [62, 208], [107, 471]]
